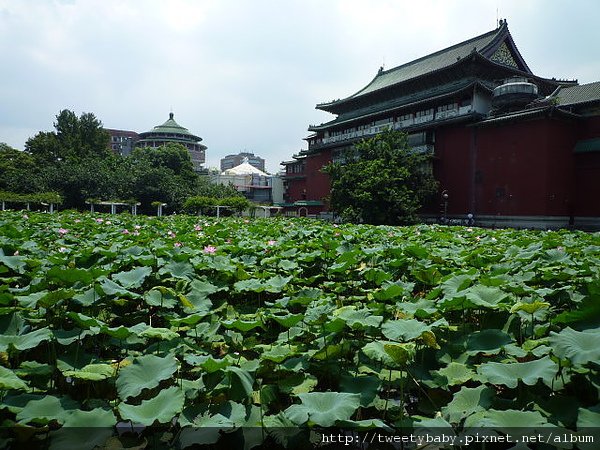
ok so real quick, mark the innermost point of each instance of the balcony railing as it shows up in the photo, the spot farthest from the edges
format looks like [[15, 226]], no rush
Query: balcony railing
[[440, 115]]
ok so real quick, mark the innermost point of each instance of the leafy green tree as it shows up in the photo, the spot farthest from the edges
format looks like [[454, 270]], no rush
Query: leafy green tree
[[75, 137], [18, 171], [381, 181]]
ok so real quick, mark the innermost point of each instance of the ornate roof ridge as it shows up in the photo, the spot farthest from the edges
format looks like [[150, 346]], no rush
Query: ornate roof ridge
[[436, 59]]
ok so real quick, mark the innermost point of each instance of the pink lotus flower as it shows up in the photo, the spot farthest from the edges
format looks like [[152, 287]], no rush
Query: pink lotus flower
[[99, 220], [197, 228], [336, 234], [137, 227], [108, 222], [77, 221], [210, 249], [62, 231], [177, 244], [25, 216], [171, 234], [125, 231], [271, 242], [62, 249]]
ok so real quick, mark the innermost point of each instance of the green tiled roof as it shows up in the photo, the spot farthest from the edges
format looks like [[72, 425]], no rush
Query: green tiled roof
[[170, 127], [572, 95], [484, 44]]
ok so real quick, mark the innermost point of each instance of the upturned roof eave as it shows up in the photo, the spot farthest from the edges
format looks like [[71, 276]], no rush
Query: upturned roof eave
[[498, 36], [333, 122]]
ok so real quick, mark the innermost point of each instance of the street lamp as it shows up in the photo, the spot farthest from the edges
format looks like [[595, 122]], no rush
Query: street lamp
[[445, 199]]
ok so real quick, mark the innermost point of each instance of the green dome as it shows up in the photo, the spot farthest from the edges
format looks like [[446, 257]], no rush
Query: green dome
[[170, 127]]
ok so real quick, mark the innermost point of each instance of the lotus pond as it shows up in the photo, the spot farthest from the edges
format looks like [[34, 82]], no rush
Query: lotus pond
[[227, 325]]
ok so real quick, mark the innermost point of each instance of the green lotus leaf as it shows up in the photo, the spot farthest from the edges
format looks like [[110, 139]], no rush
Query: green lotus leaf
[[490, 341], [16, 263], [429, 276], [161, 296], [83, 321], [242, 325], [332, 351], [164, 334], [282, 430], [323, 408], [25, 341], [70, 276], [297, 383], [146, 372], [132, 278], [178, 269], [507, 420], [109, 287], [252, 284], [485, 296], [239, 383], [46, 409], [34, 369], [278, 353], [357, 319], [120, 332], [287, 320], [31, 300], [587, 418], [87, 297], [404, 330], [456, 283], [390, 291], [376, 276], [162, 408], [91, 372], [401, 354], [8, 380], [84, 430], [208, 363], [375, 350], [468, 401], [456, 374], [580, 347], [509, 374], [366, 386], [422, 308], [277, 283]]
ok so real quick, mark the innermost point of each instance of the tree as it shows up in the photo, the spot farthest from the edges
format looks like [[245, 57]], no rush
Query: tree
[[18, 171], [381, 181], [75, 137]]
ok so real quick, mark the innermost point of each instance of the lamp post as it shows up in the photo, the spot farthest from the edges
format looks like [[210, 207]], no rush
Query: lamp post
[[445, 200]]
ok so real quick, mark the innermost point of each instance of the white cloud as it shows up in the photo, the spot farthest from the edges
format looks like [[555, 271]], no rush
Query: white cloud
[[247, 75]]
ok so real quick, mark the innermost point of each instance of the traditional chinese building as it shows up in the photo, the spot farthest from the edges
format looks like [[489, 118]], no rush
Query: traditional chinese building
[[510, 147], [171, 131]]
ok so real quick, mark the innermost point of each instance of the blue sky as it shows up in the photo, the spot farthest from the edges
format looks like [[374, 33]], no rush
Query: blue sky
[[246, 75]]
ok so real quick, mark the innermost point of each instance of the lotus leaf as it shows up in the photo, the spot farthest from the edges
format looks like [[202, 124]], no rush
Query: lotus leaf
[[580, 347], [146, 372], [323, 408], [162, 408], [509, 374]]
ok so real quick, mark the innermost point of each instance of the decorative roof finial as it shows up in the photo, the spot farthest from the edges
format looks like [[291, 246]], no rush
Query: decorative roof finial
[[171, 115]]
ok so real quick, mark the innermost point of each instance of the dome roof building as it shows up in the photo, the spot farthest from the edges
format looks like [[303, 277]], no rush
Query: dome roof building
[[171, 131]]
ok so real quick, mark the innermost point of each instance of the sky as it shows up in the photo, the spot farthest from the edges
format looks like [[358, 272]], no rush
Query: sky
[[245, 75]]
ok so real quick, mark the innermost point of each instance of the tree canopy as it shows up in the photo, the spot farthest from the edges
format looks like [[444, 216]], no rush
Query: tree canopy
[[76, 161], [381, 181]]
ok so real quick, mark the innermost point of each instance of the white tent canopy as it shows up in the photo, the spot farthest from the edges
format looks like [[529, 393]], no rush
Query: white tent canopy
[[244, 169]]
